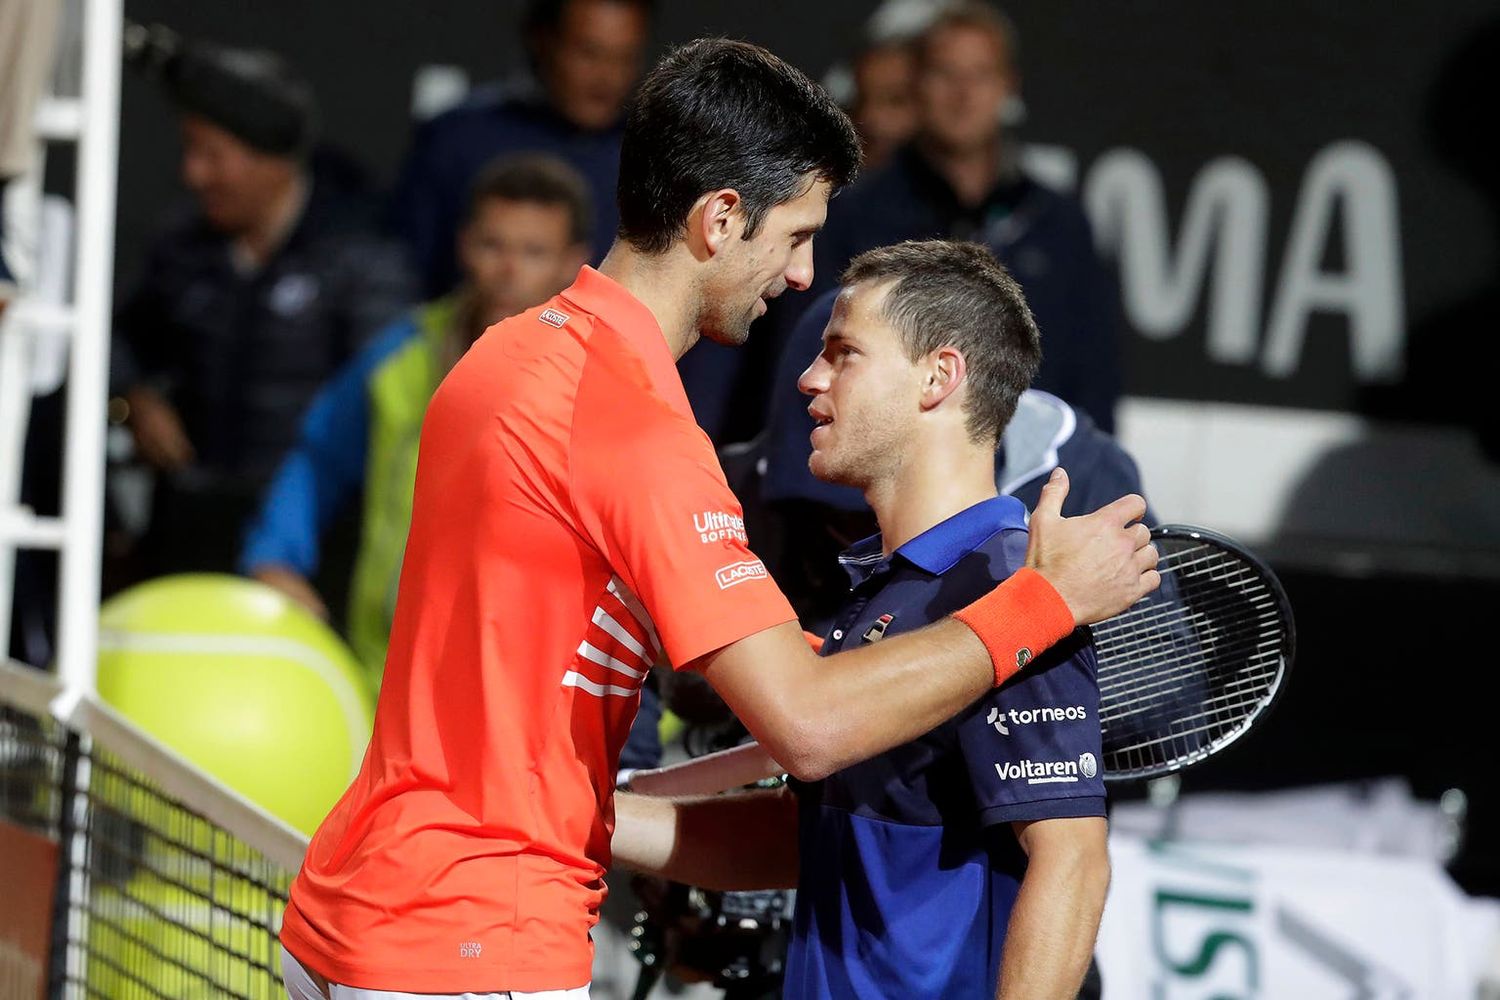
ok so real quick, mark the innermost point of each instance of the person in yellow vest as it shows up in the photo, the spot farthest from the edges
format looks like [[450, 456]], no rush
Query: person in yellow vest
[[526, 236]]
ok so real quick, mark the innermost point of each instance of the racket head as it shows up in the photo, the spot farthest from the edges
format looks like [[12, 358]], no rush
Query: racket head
[[1189, 670]]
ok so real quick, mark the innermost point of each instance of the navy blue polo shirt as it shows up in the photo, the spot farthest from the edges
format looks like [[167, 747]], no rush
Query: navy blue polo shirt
[[905, 888]]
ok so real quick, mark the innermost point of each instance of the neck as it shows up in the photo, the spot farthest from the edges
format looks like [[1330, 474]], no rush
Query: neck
[[933, 482], [263, 238], [664, 285], [970, 172]]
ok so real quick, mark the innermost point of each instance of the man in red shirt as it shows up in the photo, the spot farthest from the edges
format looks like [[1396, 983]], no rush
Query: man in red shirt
[[572, 529]]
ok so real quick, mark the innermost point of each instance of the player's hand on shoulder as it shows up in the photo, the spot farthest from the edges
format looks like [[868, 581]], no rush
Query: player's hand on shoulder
[[1100, 563]]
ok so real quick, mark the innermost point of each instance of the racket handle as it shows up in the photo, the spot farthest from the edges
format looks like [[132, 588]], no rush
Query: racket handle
[[709, 774]]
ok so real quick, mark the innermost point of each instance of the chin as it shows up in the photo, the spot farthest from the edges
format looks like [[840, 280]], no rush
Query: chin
[[723, 333], [827, 471]]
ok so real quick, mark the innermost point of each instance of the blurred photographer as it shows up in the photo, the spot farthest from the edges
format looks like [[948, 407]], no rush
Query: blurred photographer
[[249, 299]]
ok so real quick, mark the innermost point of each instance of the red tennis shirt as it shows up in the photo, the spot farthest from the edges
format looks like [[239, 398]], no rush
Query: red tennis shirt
[[571, 527]]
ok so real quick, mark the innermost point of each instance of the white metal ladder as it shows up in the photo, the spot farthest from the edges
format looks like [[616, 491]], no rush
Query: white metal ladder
[[90, 120]]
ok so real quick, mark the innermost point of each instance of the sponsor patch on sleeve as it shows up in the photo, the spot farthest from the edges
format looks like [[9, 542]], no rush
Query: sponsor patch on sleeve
[[739, 572]]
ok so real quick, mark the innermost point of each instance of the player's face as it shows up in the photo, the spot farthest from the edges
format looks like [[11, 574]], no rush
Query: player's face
[[234, 184], [866, 393], [518, 254], [749, 273], [963, 80], [593, 61]]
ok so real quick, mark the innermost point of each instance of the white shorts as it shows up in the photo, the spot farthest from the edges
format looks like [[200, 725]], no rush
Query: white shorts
[[303, 985]]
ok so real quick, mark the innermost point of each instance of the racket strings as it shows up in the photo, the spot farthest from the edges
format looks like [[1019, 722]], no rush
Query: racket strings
[[1136, 622], [1122, 709], [1188, 668], [1144, 665], [1232, 701], [1144, 655]]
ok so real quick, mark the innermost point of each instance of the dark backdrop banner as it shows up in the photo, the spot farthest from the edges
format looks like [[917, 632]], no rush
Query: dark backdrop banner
[[1295, 192]]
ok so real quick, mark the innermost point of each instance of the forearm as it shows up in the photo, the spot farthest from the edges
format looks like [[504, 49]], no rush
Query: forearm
[[740, 841], [1053, 926], [816, 716], [867, 700]]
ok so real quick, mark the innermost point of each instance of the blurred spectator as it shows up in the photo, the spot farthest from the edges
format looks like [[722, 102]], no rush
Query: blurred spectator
[[884, 109], [247, 304], [960, 178], [801, 524], [585, 55], [875, 86]]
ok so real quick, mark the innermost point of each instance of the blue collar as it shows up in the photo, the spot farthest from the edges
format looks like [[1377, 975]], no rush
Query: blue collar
[[940, 547]]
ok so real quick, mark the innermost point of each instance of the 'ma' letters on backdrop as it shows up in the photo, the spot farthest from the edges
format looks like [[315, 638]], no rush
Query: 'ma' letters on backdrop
[[1346, 211]]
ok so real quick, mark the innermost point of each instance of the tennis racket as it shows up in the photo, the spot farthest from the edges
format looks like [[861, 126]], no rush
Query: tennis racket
[[1183, 673], [1191, 667]]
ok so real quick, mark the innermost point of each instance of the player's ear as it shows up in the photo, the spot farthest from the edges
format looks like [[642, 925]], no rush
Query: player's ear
[[719, 217], [945, 372]]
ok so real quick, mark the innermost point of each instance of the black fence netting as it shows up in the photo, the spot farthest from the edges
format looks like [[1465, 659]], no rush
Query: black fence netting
[[151, 898]]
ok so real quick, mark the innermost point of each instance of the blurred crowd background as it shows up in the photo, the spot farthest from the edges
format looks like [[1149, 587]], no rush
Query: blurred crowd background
[[1260, 242]]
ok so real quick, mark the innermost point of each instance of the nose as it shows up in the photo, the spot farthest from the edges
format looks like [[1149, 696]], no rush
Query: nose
[[799, 273], [814, 380]]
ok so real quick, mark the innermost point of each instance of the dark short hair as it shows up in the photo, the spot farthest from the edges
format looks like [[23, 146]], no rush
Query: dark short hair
[[716, 113], [538, 179], [957, 294]]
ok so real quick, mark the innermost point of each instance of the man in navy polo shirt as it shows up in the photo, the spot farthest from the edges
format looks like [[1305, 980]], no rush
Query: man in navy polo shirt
[[972, 861]]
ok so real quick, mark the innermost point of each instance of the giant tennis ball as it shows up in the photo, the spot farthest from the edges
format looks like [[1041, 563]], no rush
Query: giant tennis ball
[[242, 682]]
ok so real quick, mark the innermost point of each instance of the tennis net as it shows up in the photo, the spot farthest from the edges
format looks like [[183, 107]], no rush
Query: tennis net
[[134, 874]]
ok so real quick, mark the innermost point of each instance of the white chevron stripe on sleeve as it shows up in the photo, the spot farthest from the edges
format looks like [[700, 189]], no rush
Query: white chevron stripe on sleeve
[[617, 632], [595, 655], [574, 679], [638, 612]]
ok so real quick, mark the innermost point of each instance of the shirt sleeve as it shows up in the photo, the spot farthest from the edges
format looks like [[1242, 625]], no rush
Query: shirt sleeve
[[648, 491], [1032, 746]]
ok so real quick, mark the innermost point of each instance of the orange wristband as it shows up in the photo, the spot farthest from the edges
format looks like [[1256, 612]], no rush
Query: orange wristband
[[1017, 620]]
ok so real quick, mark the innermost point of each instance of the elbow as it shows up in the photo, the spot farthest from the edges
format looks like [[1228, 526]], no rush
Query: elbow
[[805, 751], [809, 767]]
